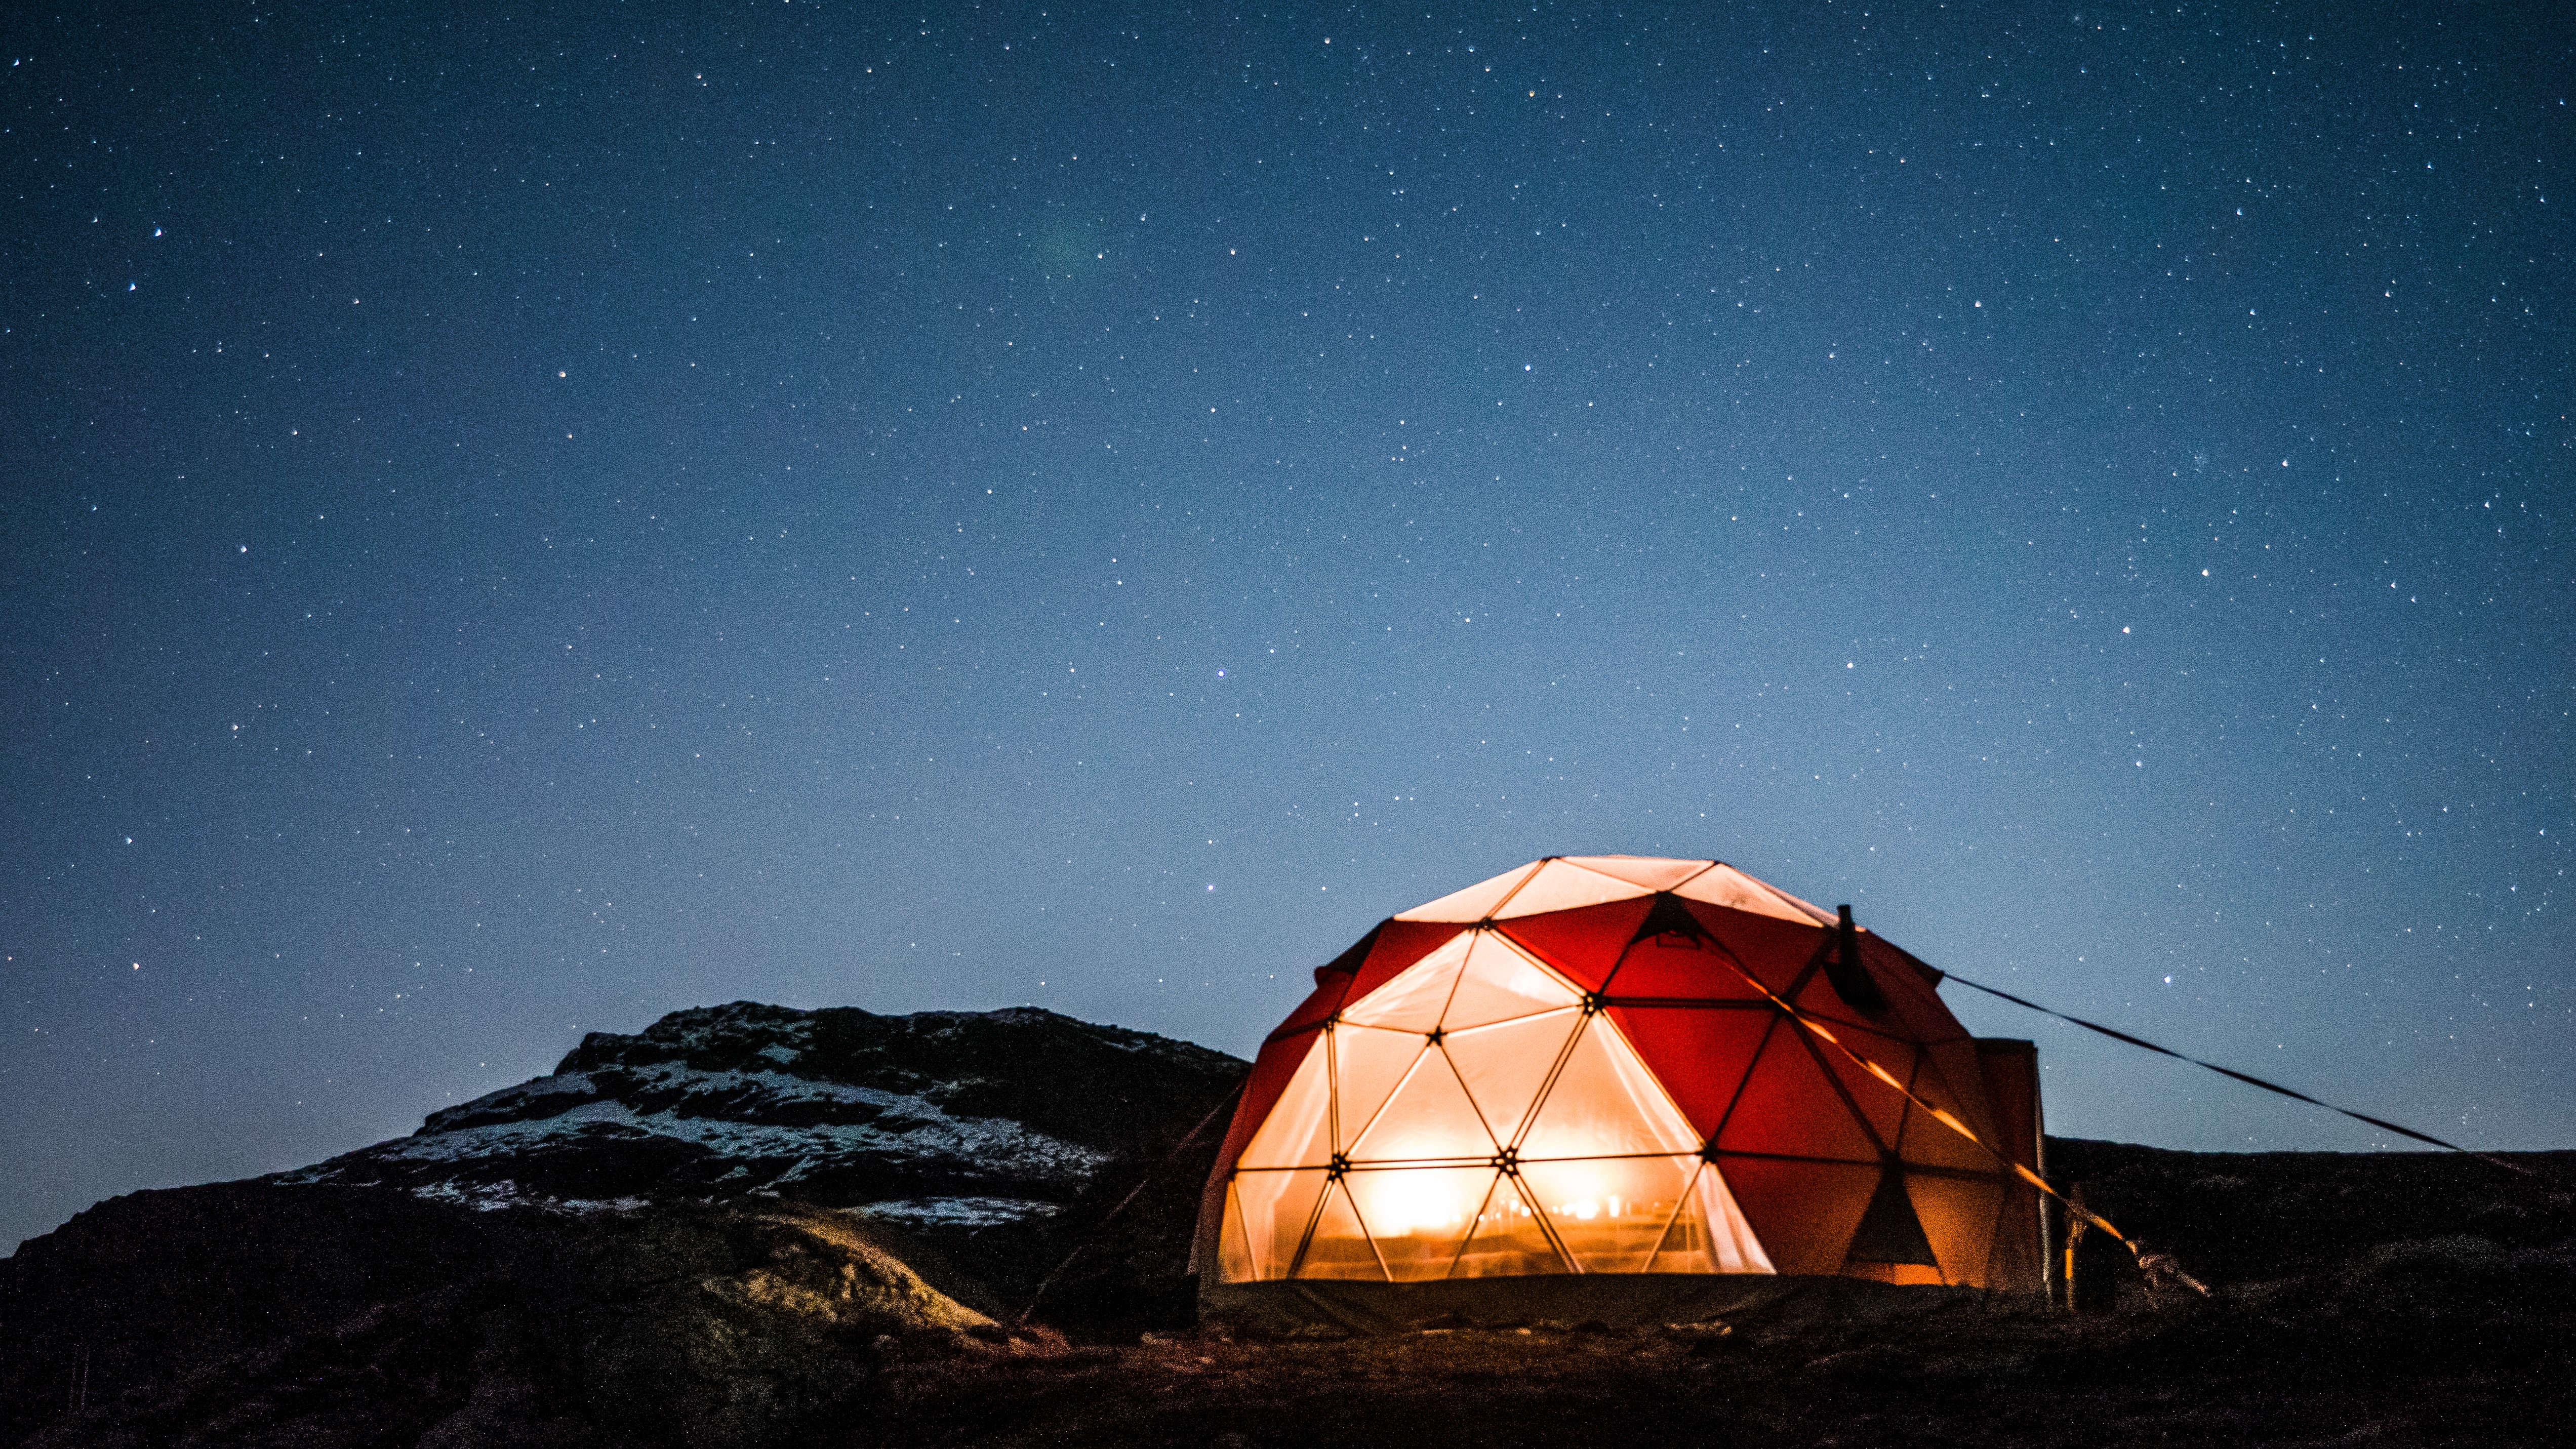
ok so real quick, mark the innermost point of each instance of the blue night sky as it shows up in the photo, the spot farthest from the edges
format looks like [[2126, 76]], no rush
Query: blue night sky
[[512, 526]]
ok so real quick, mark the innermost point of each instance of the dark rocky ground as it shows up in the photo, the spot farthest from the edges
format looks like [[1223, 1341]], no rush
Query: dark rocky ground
[[2359, 1299], [2362, 1299]]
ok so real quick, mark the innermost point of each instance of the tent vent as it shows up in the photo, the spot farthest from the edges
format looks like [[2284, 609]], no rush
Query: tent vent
[[1668, 917]]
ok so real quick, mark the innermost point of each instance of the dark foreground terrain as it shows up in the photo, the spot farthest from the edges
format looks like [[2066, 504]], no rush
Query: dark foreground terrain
[[2359, 1299]]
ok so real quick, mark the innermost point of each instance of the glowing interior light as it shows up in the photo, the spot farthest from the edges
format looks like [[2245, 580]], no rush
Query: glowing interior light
[[1419, 1204]]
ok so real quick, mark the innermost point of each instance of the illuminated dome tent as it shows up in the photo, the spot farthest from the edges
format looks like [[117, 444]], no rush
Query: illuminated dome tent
[[1617, 1087]]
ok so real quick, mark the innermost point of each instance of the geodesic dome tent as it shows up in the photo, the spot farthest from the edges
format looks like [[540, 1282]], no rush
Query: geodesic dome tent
[[1614, 1086]]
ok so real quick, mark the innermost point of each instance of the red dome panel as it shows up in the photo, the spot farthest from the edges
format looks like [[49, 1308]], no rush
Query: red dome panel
[[1805, 1212], [1699, 1052], [1584, 944]]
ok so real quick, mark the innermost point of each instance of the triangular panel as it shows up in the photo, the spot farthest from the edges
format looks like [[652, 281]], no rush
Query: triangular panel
[[1508, 1239], [1646, 871], [1272, 1071], [1476, 902], [1564, 886], [1298, 1131], [1961, 1078], [1671, 967], [1789, 1108], [1367, 1063], [1399, 945], [1429, 1119], [1929, 1142], [1235, 1262], [1684, 1246], [1774, 951], [1504, 1066], [1604, 1102], [1724, 885], [1803, 1212], [1581, 945], [1889, 1231], [1419, 1215], [1699, 1054], [1884, 1107], [1959, 1219], [1710, 1233], [1499, 984], [1413, 1000], [1341, 1246], [1611, 1212], [1276, 1207], [1822, 996]]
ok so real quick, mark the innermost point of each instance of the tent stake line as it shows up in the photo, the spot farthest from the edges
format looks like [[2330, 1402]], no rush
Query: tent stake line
[[1141, 1184], [2246, 1077]]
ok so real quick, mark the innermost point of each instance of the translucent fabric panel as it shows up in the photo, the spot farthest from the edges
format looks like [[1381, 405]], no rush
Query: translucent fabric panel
[[1275, 1207], [1604, 1102], [1367, 1064], [1684, 1247], [1920, 1137], [1561, 885], [1500, 983], [1504, 1066], [1673, 1218], [1419, 1215], [1298, 1131], [1724, 885], [1810, 907], [1710, 1234], [1642, 870], [1234, 1248], [1414, 999], [1475, 903], [1733, 1246], [1430, 1118], [1508, 1239], [1341, 1246], [1611, 1212]]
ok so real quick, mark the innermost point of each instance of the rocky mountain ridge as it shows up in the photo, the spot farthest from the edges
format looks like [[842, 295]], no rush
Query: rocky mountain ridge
[[936, 1120]]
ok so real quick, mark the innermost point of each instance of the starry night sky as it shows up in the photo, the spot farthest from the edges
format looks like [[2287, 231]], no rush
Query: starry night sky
[[512, 526]]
